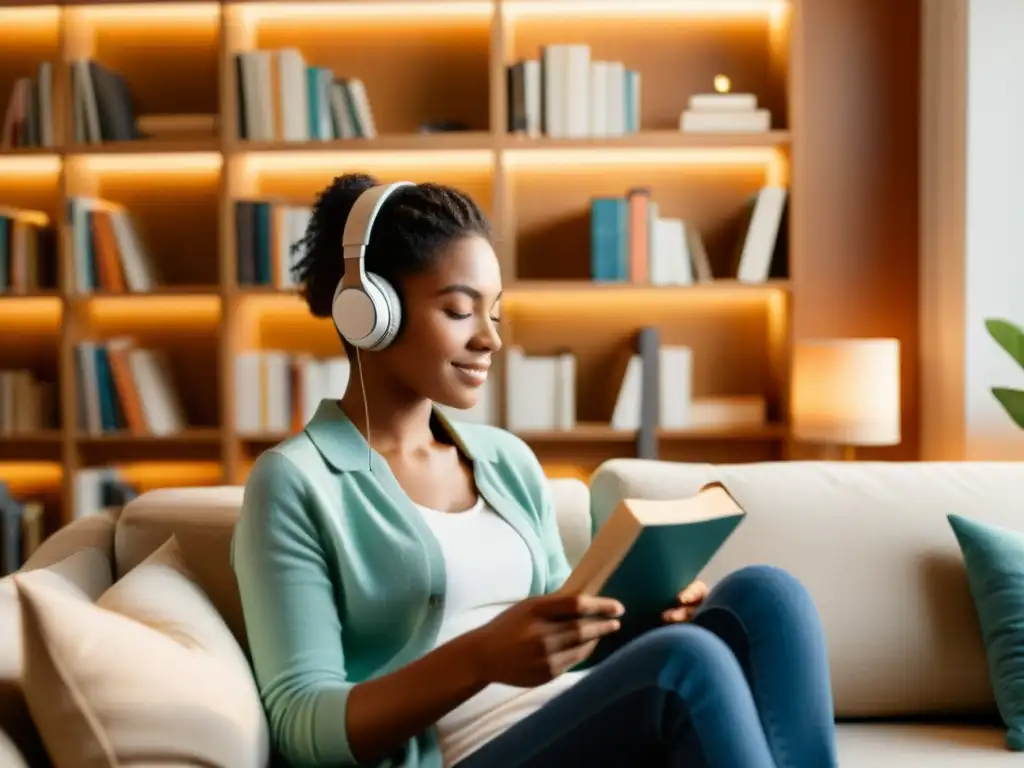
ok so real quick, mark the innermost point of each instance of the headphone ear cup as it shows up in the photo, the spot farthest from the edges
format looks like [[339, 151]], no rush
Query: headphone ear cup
[[394, 309]]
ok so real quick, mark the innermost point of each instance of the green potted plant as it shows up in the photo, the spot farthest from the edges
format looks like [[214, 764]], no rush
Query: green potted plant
[[1010, 338]]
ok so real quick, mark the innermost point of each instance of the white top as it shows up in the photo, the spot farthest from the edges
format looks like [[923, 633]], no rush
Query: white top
[[488, 569]]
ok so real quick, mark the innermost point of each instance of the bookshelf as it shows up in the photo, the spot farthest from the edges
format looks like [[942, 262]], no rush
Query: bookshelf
[[438, 61]]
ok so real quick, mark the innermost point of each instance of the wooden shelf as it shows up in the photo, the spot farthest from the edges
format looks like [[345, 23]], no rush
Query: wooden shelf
[[595, 289], [144, 147], [421, 142], [663, 139], [416, 142], [192, 436], [444, 61]]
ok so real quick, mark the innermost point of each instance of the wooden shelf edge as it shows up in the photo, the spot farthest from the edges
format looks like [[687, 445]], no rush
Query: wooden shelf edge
[[197, 435], [521, 287], [416, 142], [654, 139], [35, 437]]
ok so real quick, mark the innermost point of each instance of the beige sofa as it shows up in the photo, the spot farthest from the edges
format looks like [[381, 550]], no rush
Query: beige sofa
[[134, 650]]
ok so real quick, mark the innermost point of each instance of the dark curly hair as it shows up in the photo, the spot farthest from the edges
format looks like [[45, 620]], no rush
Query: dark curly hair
[[410, 231]]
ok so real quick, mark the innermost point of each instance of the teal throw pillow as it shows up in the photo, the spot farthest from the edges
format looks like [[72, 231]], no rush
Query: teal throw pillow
[[994, 561]]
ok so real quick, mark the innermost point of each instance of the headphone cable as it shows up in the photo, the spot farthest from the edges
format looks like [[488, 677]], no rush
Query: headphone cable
[[366, 412]]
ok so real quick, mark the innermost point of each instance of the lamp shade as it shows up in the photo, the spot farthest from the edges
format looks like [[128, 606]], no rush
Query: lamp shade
[[846, 392]]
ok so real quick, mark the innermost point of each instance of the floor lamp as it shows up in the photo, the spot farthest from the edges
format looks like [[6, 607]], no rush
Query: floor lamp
[[845, 393]]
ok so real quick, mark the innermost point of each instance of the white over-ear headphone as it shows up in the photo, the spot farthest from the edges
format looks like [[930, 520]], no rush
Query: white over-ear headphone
[[366, 309]]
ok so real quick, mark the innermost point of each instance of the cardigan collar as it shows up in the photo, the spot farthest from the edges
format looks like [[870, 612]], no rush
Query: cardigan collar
[[343, 446]]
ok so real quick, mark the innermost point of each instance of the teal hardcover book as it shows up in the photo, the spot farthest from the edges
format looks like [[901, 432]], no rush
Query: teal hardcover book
[[648, 551]]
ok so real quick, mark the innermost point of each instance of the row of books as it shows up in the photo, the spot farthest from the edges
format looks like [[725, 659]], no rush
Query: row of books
[[283, 98], [630, 241], [265, 233], [126, 388], [101, 104], [724, 113], [108, 252], [100, 488], [656, 393], [565, 93], [278, 391], [22, 529], [28, 251], [27, 403], [28, 119], [23, 519]]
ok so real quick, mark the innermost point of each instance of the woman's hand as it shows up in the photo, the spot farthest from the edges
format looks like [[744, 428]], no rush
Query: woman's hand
[[538, 639], [689, 601]]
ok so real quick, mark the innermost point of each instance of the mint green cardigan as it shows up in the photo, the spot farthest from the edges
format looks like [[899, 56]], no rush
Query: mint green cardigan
[[342, 581]]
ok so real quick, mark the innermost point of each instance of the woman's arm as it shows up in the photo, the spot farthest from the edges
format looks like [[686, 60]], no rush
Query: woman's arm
[[385, 712], [318, 717], [291, 617]]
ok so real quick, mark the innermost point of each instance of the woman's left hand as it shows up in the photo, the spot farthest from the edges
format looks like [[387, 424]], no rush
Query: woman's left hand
[[688, 602]]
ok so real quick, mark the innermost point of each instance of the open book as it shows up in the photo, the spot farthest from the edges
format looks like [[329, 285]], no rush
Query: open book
[[648, 551]]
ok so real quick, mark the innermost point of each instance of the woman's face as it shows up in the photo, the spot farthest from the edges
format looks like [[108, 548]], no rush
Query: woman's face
[[449, 326]]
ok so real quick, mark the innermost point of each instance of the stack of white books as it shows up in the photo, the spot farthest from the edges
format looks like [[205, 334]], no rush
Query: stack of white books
[[724, 113]]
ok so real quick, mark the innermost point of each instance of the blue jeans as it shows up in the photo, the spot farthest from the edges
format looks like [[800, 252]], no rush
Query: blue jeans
[[745, 684]]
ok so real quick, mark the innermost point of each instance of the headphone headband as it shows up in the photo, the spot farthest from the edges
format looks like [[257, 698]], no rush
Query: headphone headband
[[358, 226], [366, 308]]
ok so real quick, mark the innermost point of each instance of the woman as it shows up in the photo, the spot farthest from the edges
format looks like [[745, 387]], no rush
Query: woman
[[399, 600]]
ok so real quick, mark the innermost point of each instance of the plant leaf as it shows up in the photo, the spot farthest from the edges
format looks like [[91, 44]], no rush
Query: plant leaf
[[1008, 336], [1012, 401]]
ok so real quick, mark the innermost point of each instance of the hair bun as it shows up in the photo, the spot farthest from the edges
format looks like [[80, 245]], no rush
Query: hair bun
[[332, 208], [345, 190]]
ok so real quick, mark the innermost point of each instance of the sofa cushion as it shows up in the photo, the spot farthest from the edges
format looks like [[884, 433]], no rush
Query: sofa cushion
[[871, 542], [994, 559], [149, 674], [86, 574], [203, 521]]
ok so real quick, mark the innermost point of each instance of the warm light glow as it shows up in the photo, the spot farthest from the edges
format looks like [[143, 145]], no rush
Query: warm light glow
[[316, 161], [283, 321], [153, 311], [722, 84], [566, 472], [149, 475], [12, 166], [638, 8], [31, 17], [541, 159], [36, 218], [146, 14], [170, 163], [29, 477], [389, 12], [846, 392], [22, 313], [283, 304], [627, 299], [778, 320]]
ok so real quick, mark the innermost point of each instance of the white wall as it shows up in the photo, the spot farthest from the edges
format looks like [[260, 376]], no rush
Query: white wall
[[994, 259], [972, 223]]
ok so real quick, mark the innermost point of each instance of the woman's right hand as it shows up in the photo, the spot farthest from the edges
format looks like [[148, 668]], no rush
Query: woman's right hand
[[541, 637]]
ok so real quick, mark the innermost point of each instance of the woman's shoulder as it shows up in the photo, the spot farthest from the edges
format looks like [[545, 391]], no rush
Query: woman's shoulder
[[485, 441], [280, 476]]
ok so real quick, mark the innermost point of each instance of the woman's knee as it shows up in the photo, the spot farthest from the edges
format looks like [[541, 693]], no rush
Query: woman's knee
[[762, 585], [685, 656]]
